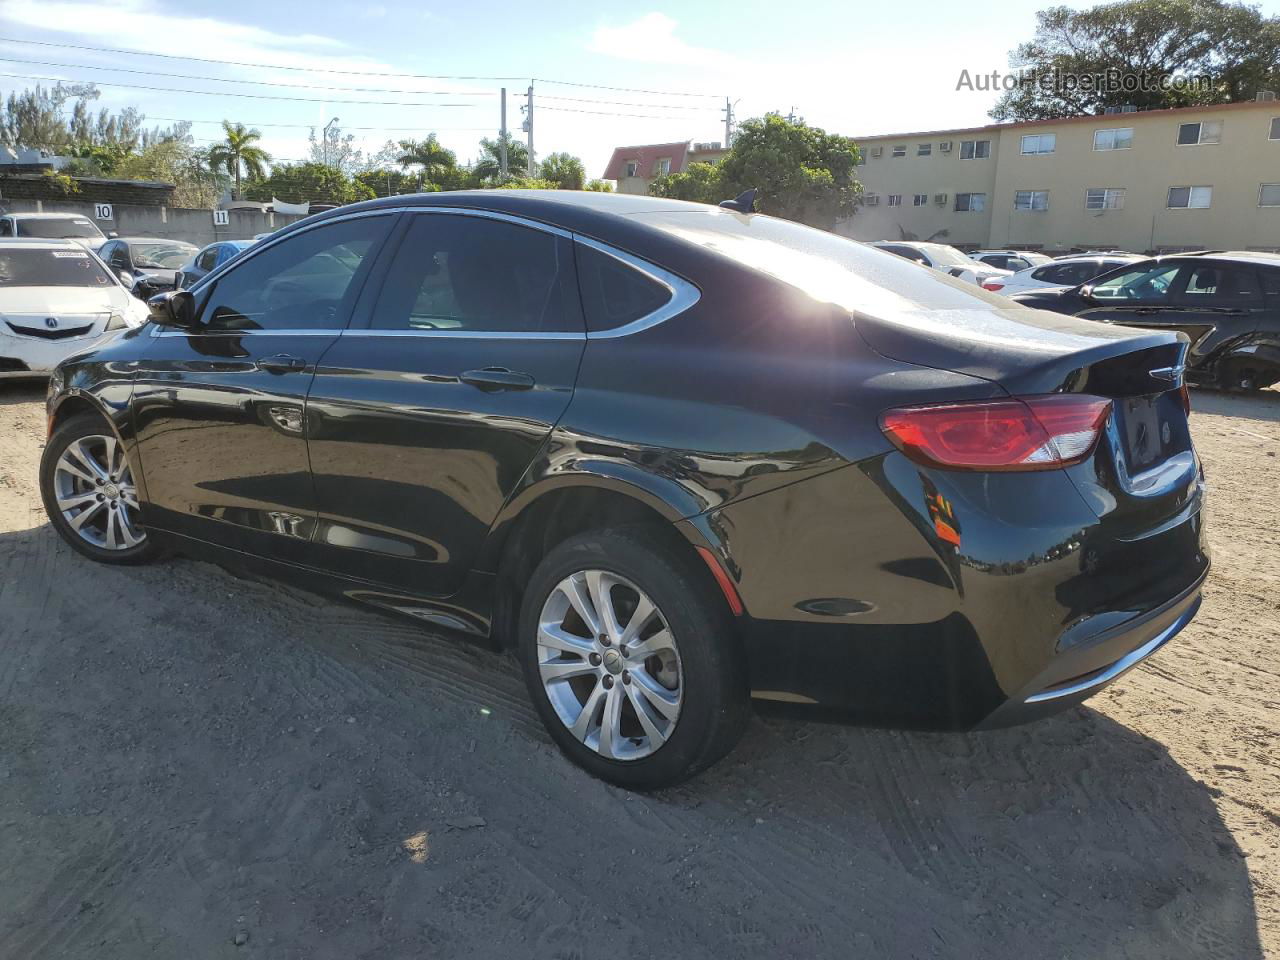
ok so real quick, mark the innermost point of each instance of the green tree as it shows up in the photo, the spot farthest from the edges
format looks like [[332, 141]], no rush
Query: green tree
[[388, 183], [599, 186], [308, 182], [563, 169], [197, 184], [488, 168], [527, 183], [1232, 44], [429, 156], [238, 152], [699, 182]]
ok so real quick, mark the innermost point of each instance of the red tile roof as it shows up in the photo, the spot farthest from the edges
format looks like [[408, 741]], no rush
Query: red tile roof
[[646, 157]]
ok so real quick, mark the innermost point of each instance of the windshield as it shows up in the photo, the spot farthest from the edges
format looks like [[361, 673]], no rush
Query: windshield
[[948, 256], [51, 268], [165, 256], [1036, 259], [57, 228]]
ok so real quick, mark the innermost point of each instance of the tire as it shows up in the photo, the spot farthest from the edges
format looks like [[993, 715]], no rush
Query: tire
[[704, 660], [97, 479]]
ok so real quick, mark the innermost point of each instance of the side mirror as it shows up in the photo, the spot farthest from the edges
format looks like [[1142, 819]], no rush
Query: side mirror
[[1086, 291], [125, 277], [111, 234], [173, 308]]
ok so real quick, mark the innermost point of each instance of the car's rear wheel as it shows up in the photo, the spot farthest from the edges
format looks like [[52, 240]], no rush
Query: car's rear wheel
[[630, 661], [90, 493]]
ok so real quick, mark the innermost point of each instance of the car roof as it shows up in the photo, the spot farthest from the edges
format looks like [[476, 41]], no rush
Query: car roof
[[1076, 257], [41, 243], [1255, 257], [49, 216]]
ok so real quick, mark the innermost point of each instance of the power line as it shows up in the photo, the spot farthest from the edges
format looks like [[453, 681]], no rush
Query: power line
[[353, 73], [256, 83], [248, 96], [303, 126], [620, 103], [612, 113]]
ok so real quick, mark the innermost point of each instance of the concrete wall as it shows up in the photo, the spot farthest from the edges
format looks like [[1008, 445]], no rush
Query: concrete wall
[[1235, 168], [193, 226]]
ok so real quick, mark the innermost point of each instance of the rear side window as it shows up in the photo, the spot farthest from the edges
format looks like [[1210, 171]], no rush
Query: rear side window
[[465, 273], [1211, 284], [615, 293], [303, 283]]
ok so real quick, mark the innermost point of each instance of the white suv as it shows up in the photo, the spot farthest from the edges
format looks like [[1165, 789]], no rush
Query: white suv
[[1066, 272], [942, 257], [1014, 260]]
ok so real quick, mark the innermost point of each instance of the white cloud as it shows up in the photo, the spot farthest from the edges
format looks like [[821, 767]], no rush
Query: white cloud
[[652, 39]]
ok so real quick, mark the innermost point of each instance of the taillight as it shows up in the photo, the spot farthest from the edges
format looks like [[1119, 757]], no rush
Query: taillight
[[1184, 395], [992, 285], [1027, 433]]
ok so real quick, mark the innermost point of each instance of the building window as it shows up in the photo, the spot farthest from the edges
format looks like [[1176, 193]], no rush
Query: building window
[[1119, 138], [1190, 198], [1275, 128], [1104, 198], [1031, 200], [1036, 144], [895, 199], [899, 151], [632, 167], [974, 149], [924, 149], [920, 199], [971, 202], [664, 166], [1269, 195], [1191, 134]]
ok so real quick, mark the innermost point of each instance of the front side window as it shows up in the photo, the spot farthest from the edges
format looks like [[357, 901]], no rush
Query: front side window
[[51, 268], [208, 258], [971, 202], [1143, 284], [974, 149], [895, 199], [1104, 198], [6, 228], [1269, 195], [1039, 143], [1205, 131], [1118, 138], [1190, 198], [302, 283], [466, 273], [1031, 200]]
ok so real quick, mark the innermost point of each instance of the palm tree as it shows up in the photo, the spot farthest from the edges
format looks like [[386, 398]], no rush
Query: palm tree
[[238, 151], [428, 154], [563, 169], [489, 166]]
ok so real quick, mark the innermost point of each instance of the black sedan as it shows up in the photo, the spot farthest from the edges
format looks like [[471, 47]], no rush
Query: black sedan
[[676, 457], [1228, 305], [146, 265]]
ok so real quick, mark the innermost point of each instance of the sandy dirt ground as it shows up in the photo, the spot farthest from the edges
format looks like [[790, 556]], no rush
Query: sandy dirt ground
[[194, 765]]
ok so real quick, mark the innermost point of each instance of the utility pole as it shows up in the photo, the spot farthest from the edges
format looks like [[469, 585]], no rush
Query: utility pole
[[728, 122], [502, 139], [528, 125]]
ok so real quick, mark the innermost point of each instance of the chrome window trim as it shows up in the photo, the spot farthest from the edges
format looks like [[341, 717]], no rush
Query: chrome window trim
[[162, 331], [467, 334], [683, 293]]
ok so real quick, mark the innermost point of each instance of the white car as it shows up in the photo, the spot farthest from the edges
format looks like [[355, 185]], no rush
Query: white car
[[1065, 272], [939, 256], [53, 226], [56, 298], [1013, 260]]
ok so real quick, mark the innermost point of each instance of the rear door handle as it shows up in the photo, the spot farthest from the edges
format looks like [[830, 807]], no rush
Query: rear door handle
[[282, 363], [492, 379]]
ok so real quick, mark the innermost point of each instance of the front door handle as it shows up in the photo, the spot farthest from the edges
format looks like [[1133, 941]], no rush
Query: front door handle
[[282, 363], [492, 379]]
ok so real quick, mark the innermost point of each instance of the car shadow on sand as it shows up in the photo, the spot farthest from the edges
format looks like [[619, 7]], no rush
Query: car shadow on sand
[[1263, 405]]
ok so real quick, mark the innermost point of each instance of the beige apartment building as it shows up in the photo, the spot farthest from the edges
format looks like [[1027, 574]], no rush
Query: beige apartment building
[[1158, 181]]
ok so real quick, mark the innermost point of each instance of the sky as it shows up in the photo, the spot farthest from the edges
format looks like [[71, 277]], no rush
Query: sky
[[606, 74]]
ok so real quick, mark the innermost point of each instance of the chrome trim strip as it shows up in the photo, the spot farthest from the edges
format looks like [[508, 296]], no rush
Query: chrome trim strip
[[161, 331], [491, 215], [1129, 660], [683, 293], [467, 334]]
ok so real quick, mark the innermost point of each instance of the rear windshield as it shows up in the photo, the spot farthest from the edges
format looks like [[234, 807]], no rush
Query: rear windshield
[[164, 256], [830, 268], [57, 228], [51, 268]]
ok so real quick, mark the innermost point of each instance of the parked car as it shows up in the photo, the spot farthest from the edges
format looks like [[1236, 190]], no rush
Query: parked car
[[146, 265], [52, 226], [1228, 305], [941, 257], [675, 456], [207, 260], [55, 298], [1067, 272], [1011, 260]]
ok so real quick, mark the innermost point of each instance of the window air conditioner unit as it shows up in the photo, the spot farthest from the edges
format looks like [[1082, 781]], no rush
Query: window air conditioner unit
[[939, 198], [1266, 96], [871, 200], [944, 146], [877, 151]]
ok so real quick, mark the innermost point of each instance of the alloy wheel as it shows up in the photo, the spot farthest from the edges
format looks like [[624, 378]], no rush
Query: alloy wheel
[[610, 665], [94, 489]]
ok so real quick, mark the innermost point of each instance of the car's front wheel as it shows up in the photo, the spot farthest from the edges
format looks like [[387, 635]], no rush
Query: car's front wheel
[[90, 493], [630, 659]]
